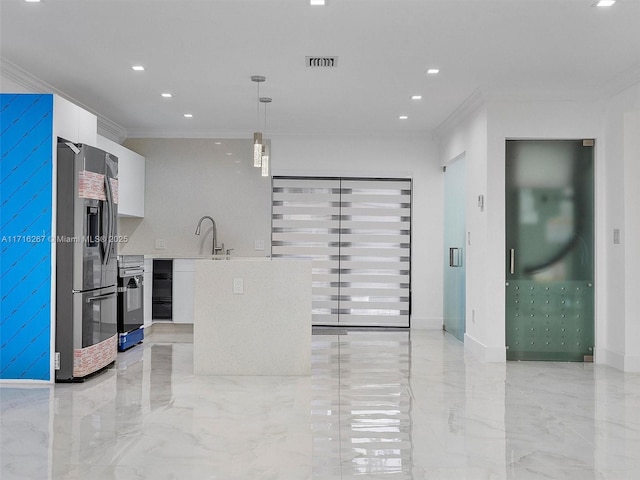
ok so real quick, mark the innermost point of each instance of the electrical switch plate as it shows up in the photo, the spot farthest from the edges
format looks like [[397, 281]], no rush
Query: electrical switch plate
[[238, 286], [160, 244], [258, 245]]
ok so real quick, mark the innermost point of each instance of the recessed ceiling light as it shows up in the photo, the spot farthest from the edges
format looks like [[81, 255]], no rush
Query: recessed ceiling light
[[433, 71], [403, 117], [188, 115], [32, 1], [138, 68], [416, 97], [605, 3], [167, 95], [229, 153], [218, 143], [316, 2]]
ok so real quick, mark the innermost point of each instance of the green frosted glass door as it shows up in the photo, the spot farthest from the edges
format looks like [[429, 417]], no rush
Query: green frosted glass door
[[549, 257], [454, 301]]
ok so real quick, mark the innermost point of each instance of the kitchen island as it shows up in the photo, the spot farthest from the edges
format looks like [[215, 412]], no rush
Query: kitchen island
[[252, 316]]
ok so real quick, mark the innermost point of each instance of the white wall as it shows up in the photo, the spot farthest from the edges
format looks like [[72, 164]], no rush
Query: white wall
[[613, 335], [188, 178], [622, 151], [482, 134], [543, 120], [613, 124], [8, 85], [632, 250], [469, 136], [385, 156]]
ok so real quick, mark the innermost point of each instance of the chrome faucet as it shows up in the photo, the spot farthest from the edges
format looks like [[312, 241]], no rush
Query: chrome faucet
[[214, 246]]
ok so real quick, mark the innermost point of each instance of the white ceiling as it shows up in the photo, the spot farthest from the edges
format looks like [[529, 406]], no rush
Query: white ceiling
[[204, 52]]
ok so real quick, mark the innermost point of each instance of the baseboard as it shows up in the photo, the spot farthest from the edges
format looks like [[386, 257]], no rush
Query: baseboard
[[168, 327], [619, 361], [25, 382], [607, 357], [632, 364], [418, 323], [483, 353]]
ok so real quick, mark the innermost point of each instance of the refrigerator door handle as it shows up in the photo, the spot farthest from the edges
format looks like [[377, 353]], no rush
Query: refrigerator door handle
[[99, 297], [109, 239]]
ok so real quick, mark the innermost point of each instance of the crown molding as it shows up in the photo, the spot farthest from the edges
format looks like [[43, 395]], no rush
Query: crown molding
[[23, 78], [111, 130], [33, 84], [248, 134], [625, 80], [154, 133], [470, 105]]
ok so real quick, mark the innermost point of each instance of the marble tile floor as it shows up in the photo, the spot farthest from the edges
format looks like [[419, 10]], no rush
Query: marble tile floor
[[378, 405]]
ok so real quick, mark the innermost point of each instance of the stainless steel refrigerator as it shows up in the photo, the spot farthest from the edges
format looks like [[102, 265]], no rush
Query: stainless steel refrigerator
[[86, 262]]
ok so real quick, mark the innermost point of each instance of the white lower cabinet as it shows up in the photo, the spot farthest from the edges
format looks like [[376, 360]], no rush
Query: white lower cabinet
[[183, 290], [148, 289]]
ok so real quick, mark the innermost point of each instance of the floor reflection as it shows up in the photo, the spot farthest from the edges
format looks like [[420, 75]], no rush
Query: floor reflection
[[382, 404], [361, 405], [160, 375], [85, 421], [25, 431]]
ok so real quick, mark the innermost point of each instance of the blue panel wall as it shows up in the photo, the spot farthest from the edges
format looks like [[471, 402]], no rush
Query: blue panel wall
[[26, 173]]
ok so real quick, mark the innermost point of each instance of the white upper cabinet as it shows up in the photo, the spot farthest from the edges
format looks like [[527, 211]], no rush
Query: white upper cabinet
[[74, 123], [131, 174]]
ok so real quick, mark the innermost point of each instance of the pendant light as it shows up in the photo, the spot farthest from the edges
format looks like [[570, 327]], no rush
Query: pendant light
[[265, 148], [257, 136]]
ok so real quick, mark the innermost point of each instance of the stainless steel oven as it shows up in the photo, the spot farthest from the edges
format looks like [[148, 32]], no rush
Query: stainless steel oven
[[130, 300]]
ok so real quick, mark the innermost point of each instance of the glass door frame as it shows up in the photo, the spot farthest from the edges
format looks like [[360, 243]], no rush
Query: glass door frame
[[550, 315], [454, 236]]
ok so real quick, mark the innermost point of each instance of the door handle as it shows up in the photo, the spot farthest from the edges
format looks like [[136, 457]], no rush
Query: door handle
[[109, 203], [512, 261], [455, 257]]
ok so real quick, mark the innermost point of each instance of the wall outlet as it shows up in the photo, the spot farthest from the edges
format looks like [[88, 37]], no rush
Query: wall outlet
[[238, 286], [258, 245], [160, 244]]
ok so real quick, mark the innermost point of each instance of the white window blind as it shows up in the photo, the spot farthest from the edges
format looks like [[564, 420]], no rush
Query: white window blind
[[358, 234]]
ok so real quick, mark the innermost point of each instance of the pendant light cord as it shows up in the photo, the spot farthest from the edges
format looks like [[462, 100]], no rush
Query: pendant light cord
[[258, 109]]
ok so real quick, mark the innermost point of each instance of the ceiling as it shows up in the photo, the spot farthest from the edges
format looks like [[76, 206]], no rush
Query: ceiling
[[205, 51]]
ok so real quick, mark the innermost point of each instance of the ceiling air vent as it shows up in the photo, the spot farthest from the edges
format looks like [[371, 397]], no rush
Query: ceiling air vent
[[322, 62]]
